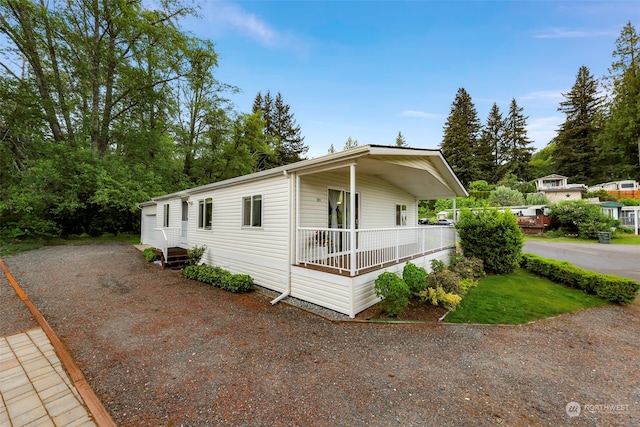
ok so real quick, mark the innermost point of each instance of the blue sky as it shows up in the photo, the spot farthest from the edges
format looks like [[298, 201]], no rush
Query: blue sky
[[369, 69]]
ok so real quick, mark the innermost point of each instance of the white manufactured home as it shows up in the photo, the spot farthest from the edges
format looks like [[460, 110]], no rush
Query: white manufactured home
[[321, 230]]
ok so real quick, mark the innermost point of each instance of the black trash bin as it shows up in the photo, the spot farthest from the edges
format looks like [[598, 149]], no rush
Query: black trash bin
[[604, 237]]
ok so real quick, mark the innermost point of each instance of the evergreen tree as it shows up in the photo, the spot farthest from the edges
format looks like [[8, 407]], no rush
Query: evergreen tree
[[575, 142], [619, 141], [460, 140], [350, 143], [287, 142], [542, 163], [519, 145], [331, 149], [400, 141], [491, 151]]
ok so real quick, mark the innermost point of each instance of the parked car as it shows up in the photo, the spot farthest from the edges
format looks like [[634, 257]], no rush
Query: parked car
[[443, 222], [424, 221]]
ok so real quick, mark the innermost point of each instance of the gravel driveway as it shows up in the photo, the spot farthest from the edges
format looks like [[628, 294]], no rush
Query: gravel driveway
[[162, 350]]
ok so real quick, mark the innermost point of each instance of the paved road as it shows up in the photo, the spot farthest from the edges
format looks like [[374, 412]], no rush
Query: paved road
[[620, 260]]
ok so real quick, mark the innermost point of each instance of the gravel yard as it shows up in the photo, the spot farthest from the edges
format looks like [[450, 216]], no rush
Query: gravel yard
[[161, 350]]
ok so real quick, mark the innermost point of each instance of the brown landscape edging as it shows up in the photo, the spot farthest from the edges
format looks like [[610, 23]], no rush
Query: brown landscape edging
[[100, 415]]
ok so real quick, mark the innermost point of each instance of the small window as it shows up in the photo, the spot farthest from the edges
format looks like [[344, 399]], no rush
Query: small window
[[205, 214], [252, 211], [166, 216], [401, 215]]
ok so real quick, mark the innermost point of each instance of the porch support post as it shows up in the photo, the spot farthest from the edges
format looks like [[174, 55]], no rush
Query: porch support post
[[352, 219], [297, 224]]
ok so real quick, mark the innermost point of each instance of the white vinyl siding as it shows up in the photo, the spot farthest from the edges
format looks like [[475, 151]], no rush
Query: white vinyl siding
[[376, 205], [258, 251]]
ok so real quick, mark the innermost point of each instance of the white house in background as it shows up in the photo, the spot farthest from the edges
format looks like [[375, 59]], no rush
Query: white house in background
[[625, 185], [630, 217], [320, 230], [556, 188]]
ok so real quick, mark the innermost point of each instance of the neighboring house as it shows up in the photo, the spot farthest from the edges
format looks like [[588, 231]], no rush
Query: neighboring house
[[630, 217], [556, 188], [612, 209], [532, 219], [619, 189], [321, 230]]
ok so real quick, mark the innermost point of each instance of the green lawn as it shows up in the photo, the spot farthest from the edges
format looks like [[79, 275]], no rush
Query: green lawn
[[519, 298], [616, 239]]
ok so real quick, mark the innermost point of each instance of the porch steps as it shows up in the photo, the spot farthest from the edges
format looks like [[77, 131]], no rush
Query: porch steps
[[176, 257]]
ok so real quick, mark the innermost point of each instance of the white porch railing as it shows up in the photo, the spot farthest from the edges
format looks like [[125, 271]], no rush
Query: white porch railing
[[165, 238], [330, 248]]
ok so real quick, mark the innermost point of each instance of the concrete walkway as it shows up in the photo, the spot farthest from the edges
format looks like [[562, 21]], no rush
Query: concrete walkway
[[34, 387]]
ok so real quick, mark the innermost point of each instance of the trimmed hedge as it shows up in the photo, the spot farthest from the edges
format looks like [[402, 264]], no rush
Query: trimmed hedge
[[606, 286], [219, 277]]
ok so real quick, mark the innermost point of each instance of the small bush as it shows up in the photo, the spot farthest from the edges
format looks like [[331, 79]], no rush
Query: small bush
[[219, 277], [438, 297], [612, 288], [195, 254], [466, 284], [149, 255], [238, 283], [437, 266], [468, 267], [394, 292], [445, 279], [415, 277]]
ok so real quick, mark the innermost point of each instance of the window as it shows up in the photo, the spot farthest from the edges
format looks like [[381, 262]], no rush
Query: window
[[205, 214], [252, 211], [166, 216], [401, 215]]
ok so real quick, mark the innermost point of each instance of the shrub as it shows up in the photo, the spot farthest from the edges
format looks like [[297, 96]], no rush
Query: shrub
[[415, 277], [445, 279], [581, 218], [492, 236], [437, 266], [149, 255], [466, 284], [394, 292], [219, 277], [612, 288], [238, 283], [195, 254], [437, 296], [467, 268]]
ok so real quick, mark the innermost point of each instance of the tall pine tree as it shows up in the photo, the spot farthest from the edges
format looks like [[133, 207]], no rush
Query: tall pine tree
[[285, 136], [575, 142], [460, 140], [619, 141], [520, 147], [400, 141], [491, 150]]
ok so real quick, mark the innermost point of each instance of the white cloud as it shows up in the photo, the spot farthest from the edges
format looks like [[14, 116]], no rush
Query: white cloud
[[545, 96], [542, 130], [421, 114], [563, 33]]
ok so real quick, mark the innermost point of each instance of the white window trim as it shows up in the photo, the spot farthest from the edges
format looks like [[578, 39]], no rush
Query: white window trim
[[202, 211], [251, 203], [403, 218]]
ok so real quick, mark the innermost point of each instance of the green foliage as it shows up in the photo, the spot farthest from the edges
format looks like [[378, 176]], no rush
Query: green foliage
[[467, 267], [219, 277], [439, 297], [505, 196], [581, 218], [149, 255], [437, 266], [466, 285], [533, 199], [195, 254], [394, 292], [415, 277], [492, 236], [445, 279], [612, 288]]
